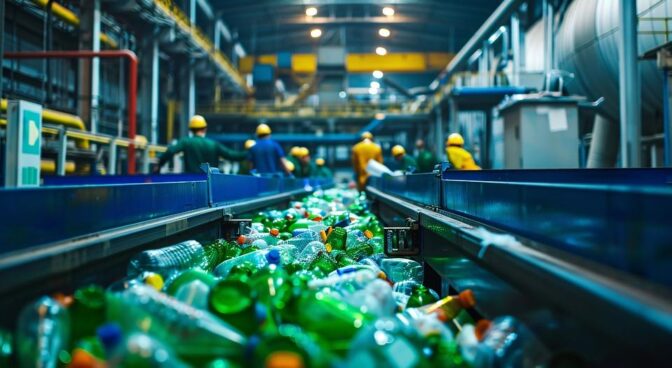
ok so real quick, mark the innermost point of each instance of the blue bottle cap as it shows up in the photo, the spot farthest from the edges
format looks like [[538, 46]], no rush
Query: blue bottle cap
[[273, 256], [110, 335]]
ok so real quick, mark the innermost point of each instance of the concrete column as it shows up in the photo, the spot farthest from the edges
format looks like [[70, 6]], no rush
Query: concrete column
[[629, 86]]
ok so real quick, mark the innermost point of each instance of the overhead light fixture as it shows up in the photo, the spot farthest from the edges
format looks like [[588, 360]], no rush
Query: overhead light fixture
[[377, 74], [379, 116], [373, 91], [311, 12], [342, 94], [381, 51], [315, 33], [384, 32], [388, 11], [375, 85]]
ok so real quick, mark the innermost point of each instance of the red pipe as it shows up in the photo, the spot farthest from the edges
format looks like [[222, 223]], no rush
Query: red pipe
[[107, 54]]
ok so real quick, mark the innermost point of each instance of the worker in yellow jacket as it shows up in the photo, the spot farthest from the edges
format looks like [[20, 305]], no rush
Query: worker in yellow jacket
[[459, 158], [362, 152]]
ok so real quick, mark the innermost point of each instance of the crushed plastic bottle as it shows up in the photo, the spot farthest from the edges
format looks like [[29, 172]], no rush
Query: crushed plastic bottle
[[402, 269], [169, 260], [41, 334], [375, 298], [256, 258]]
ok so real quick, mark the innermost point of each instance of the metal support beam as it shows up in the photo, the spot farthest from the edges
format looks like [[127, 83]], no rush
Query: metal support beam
[[629, 86], [145, 161], [191, 98], [95, 68], [549, 36], [515, 47], [154, 108], [483, 65], [112, 158], [438, 132], [62, 152]]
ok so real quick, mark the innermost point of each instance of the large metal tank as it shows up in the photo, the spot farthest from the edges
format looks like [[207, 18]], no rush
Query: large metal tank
[[587, 45]]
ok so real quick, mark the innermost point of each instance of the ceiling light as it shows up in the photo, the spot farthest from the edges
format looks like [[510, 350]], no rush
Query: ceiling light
[[381, 51], [388, 11], [315, 33], [384, 32], [311, 12], [373, 91], [342, 94], [379, 116], [375, 85], [377, 74]]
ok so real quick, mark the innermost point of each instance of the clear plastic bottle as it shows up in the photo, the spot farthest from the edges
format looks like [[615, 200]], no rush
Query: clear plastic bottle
[[257, 258], [302, 240], [271, 238], [347, 283], [311, 250], [194, 293], [508, 343], [402, 269], [192, 333], [375, 298], [143, 351], [169, 260], [43, 331]]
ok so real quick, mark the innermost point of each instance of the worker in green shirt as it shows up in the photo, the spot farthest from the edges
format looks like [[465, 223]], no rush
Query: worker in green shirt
[[425, 158], [197, 149], [306, 166], [321, 171], [404, 162], [293, 156]]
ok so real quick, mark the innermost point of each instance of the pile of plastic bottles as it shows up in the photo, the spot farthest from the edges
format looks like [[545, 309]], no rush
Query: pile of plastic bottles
[[305, 287]]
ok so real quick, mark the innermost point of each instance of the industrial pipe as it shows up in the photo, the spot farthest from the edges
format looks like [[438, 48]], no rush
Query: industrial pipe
[[132, 81], [71, 18], [60, 118]]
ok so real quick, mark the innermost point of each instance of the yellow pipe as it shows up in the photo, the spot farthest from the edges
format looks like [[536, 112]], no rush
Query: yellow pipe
[[49, 166], [71, 18], [60, 118]]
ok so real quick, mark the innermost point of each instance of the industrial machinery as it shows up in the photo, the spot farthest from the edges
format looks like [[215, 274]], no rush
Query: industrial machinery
[[579, 256]]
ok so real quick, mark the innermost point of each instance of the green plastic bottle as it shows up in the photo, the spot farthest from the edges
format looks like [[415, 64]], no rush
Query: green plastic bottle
[[323, 262], [188, 276], [231, 300], [360, 250], [87, 312], [288, 346], [233, 250], [444, 352], [342, 258], [337, 238], [271, 286], [420, 296], [246, 269]]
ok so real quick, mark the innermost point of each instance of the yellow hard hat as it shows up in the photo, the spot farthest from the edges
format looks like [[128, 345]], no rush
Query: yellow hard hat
[[304, 152], [197, 122], [290, 166], [319, 162], [249, 144], [455, 139], [295, 151], [263, 129], [367, 135], [398, 150]]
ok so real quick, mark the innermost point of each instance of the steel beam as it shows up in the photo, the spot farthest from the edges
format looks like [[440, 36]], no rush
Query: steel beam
[[438, 131], [629, 86], [154, 108], [549, 36], [515, 47], [95, 67]]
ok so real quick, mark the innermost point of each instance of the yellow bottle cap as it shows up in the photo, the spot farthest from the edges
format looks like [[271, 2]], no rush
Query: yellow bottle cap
[[284, 359], [328, 246], [154, 280]]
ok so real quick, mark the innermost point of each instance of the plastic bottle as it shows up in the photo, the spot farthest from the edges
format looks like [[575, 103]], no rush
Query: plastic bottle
[[346, 283], [194, 293], [302, 240], [270, 284], [288, 346], [421, 296], [270, 238], [186, 277], [402, 269], [169, 260], [6, 348], [323, 262], [338, 238], [360, 250], [257, 258], [387, 343], [42, 332], [87, 312], [143, 351], [450, 306], [231, 301], [376, 299], [508, 343], [194, 334]]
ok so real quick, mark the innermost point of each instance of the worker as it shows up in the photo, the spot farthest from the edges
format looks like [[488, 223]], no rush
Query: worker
[[425, 159], [320, 170], [293, 155], [403, 161], [306, 166], [197, 149], [459, 157], [245, 165], [362, 152], [266, 156]]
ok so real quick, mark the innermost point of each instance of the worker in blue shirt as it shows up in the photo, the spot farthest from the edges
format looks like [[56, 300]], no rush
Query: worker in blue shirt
[[266, 156]]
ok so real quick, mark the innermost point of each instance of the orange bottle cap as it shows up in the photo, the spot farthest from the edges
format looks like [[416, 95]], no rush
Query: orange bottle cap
[[481, 328], [368, 234], [64, 300], [83, 359], [329, 230], [467, 299], [241, 239], [284, 359], [275, 232], [317, 218], [323, 235]]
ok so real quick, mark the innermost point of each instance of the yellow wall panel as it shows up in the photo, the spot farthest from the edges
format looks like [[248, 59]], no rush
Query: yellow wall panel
[[438, 60], [267, 59], [304, 63], [246, 64], [398, 62]]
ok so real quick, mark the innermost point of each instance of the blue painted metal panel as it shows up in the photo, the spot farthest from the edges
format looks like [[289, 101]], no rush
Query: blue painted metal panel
[[284, 60], [616, 217], [488, 91], [263, 73], [423, 189], [120, 179], [41, 215]]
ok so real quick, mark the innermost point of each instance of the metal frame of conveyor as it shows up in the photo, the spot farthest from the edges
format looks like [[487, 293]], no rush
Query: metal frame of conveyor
[[582, 256], [59, 237]]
